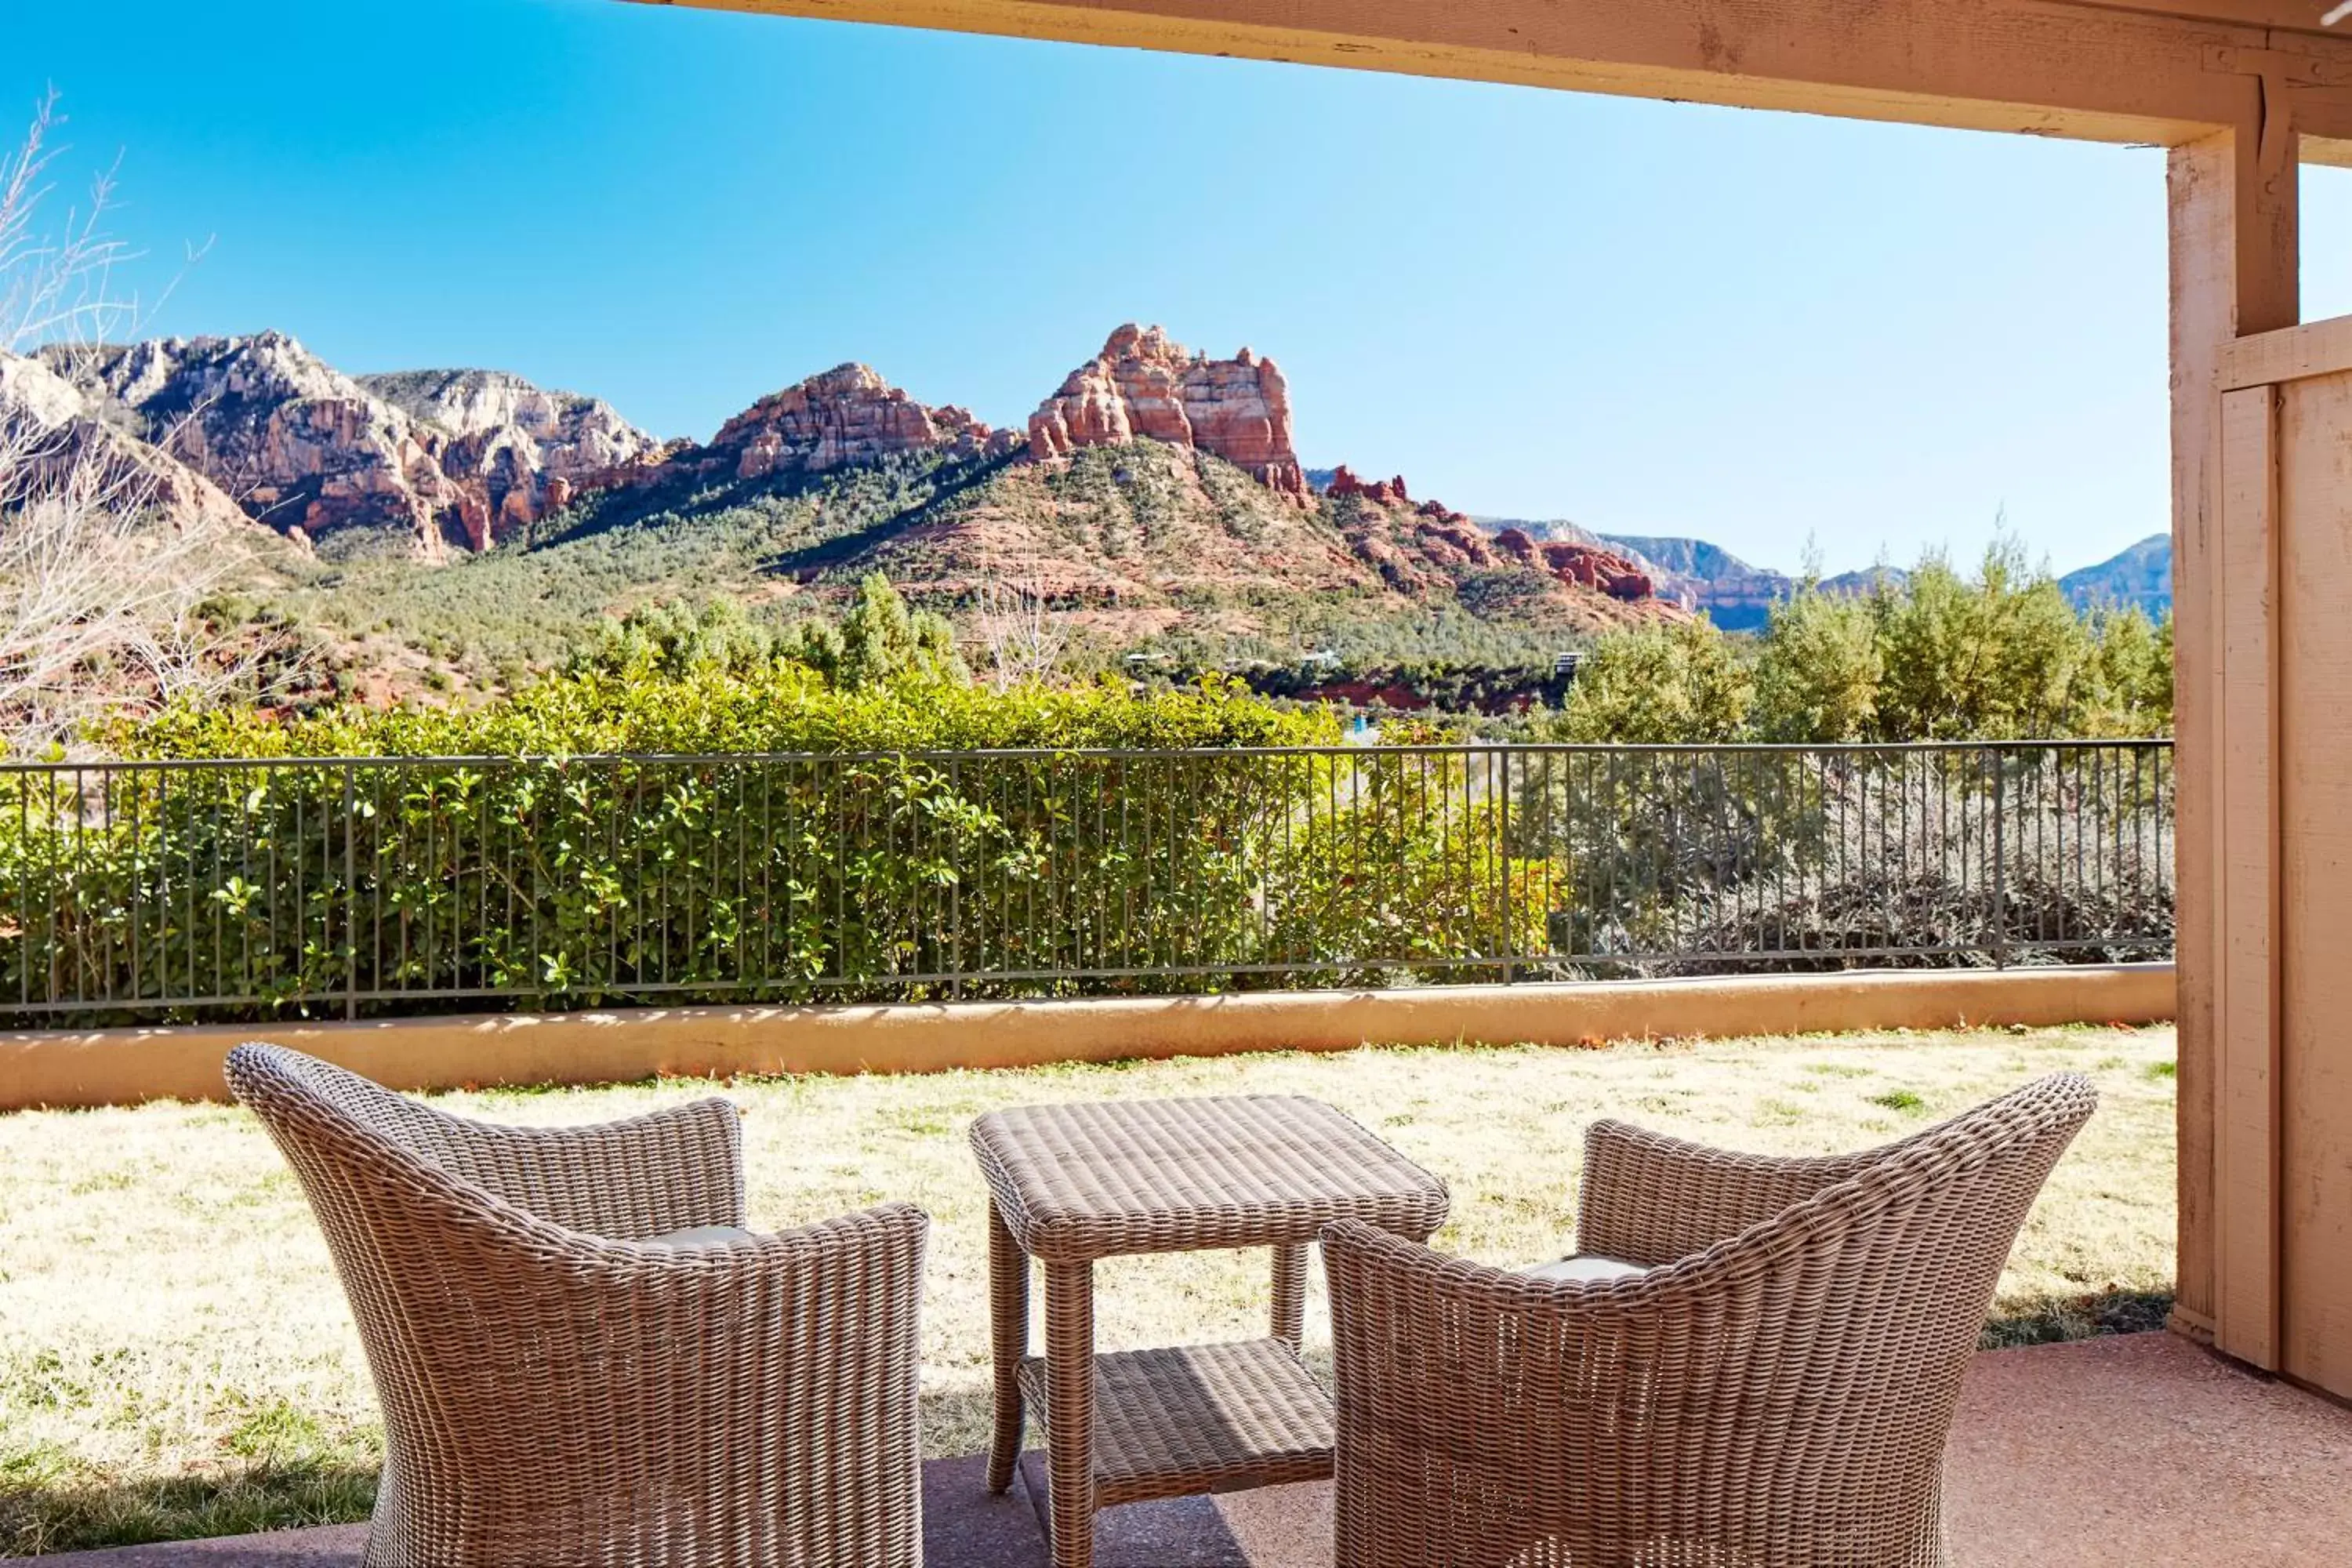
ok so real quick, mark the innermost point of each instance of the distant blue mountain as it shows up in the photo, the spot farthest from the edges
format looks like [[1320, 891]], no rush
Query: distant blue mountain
[[1739, 597], [2141, 575]]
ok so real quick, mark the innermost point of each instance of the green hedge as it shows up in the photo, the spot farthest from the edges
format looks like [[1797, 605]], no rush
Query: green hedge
[[1126, 835]]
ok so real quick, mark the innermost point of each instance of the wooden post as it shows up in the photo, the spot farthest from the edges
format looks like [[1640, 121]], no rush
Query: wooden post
[[2234, 272]]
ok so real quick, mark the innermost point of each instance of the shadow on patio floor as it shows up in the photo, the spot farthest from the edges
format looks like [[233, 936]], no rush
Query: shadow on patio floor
[[2138, 1449]]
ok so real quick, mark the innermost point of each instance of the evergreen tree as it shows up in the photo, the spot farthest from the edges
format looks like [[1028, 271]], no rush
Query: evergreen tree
[[1680, 684], [1818, 673], [882, 643]]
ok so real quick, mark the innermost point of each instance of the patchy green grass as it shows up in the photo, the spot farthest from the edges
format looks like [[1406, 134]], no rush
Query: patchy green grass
[[176, 1360]]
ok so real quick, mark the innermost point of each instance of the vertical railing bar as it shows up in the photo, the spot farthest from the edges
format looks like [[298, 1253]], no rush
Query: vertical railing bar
[[958, 872], [249, 805], [619, 774], [764, 979], [351, 899], [1043, 838], [137, 892], [48, 891], [1999, 859], [841, 859], [1502, 867]]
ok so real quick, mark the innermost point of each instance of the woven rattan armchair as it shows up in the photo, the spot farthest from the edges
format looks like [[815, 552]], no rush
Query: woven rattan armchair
[[1767, 1384], [582, 1357]]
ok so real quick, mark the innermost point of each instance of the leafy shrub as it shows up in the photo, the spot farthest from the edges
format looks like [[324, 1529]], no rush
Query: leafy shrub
[[757, 835], [770, 707], [1405, 873], [364, 884], [1999, 655], [1670, 685]]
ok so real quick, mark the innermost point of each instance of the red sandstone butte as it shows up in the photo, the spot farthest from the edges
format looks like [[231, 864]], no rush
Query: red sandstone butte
[[1144, 382], [847, 415]]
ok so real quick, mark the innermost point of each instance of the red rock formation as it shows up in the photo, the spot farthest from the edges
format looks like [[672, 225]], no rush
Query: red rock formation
[[847, 415], [1145, 384], [1604, 570], [1392, 492], [514, 452], [1380, 492], [63, 436], [1454, 539], [421, 462], [1514, 543]]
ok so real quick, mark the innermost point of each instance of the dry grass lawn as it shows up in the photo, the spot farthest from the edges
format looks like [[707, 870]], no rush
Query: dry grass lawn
[[176, 1361]]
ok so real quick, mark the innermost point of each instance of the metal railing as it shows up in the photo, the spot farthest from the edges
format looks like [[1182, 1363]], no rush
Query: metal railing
[[349, 886]]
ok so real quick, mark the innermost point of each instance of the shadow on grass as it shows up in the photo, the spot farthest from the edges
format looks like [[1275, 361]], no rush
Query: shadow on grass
[[73, 1514], [48, 1504], [2056, 1318]]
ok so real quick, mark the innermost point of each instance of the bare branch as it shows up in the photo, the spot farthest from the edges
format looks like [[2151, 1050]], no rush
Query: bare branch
[[1018, 626], [109, 550]]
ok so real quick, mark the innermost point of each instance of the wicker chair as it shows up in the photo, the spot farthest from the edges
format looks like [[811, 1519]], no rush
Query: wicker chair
[[582, 1357], [1767, 1382]]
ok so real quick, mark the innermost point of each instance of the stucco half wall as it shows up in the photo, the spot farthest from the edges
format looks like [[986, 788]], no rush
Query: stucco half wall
[[124, 1067]]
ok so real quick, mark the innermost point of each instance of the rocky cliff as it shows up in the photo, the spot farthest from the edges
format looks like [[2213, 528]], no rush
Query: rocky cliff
[[50, 427], [1590, 566], [1699, 576], [1428, 536], [514, 452], [1159, 490], [296, 443], [1148, 539], [1145, 384], [423, 464], [846, 416]]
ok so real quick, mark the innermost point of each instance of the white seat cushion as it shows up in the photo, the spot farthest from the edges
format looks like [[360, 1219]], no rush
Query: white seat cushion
[[700, 1236], [1591, 1268]]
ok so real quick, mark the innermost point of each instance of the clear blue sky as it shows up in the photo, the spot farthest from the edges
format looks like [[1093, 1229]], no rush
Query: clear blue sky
[[1651, 317]]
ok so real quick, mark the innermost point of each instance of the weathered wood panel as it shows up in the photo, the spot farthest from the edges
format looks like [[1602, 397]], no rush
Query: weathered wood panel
[[2246, 995], [2235, 271], [2313, 487]]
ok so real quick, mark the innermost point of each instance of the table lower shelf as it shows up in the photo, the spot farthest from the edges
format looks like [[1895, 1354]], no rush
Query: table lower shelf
[[1198, 1418]]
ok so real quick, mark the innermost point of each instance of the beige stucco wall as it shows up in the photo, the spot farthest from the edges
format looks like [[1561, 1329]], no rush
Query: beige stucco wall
[[122, 1066]]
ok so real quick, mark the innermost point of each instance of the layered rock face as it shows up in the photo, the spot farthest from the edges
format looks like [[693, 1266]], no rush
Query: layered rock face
[[54, 432], [1146, 384], [296, 443], [1584, 564], [421, 463], [514, 451], [438, 463], [1380, 492], [846, 416]]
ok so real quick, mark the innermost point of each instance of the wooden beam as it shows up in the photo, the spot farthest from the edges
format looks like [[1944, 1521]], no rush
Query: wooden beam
[[2234, 273], [2056, 67], [2246, 1006], [2334, 152], [2288, 354], [2278, 15]]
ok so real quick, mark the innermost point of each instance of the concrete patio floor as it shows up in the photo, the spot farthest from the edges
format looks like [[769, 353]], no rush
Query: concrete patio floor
[[2141, 1449]]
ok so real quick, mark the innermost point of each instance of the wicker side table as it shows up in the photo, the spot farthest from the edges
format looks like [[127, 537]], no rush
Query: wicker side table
[[1072, 1183]]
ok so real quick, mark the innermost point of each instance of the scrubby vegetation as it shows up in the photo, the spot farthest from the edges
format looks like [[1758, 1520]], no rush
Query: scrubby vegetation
[[1933, 656], [703, 803], [496, 621], [1996, 654], [628, 836]]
